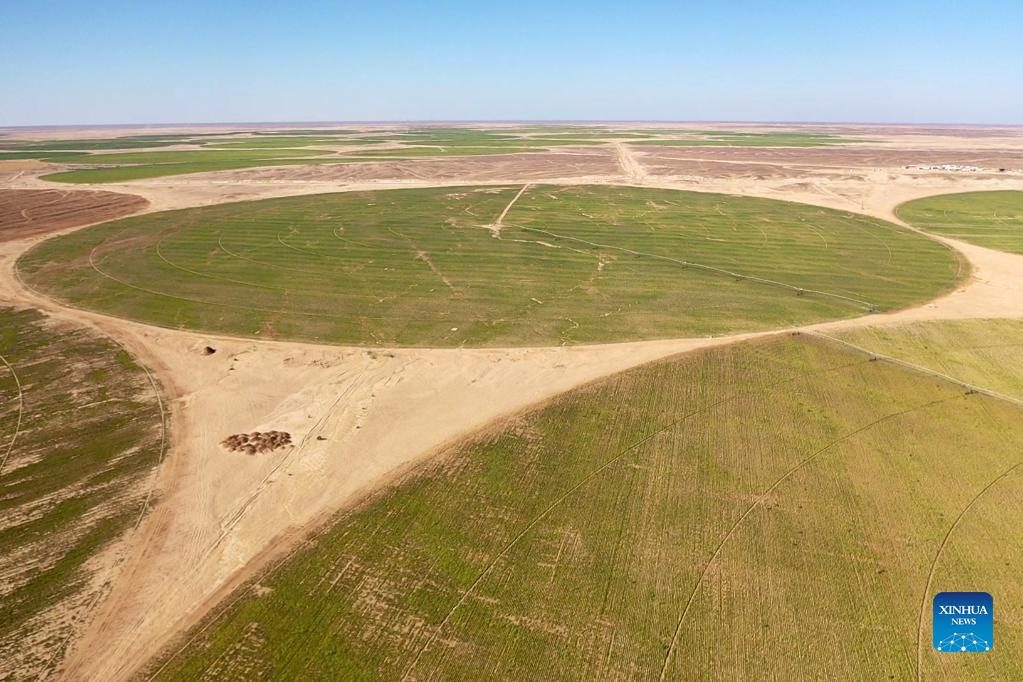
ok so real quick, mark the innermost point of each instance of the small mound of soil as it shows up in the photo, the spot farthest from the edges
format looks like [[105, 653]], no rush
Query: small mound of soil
[[257, 441]]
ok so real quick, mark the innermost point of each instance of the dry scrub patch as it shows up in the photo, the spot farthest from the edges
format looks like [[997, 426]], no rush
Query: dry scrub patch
[[682, 520], [843, 157], [81, 433], [525, 166]]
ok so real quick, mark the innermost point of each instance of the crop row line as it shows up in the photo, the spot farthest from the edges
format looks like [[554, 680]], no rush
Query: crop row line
[[760, 498], [870, 307], [937, 555], [561, 498], [920, 368]]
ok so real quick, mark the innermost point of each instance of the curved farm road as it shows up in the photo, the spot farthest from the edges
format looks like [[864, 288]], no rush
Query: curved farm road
[[359, 419]]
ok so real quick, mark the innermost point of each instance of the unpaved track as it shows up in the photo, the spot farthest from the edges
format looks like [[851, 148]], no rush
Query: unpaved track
[[495, 229], [629, 163], [379, 412], [20, 397]]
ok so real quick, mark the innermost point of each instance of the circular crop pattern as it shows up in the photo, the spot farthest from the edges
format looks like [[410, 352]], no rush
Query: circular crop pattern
[[491, 266], [991, 219]]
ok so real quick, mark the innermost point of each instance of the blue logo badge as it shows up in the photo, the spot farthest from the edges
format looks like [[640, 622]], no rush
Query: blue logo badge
[[964, 622]]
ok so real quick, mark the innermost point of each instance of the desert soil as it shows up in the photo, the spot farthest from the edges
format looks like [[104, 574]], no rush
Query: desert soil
[[361, 418], [27, 212]]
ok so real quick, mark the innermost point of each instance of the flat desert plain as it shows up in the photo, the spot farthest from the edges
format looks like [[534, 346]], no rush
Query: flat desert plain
[[572, 401]]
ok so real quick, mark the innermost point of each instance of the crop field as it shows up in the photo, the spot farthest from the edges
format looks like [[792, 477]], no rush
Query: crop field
[[991, 219], [737, 139], [285, 141], [782, 509], [125, 166], [27, 212], [491, 266], [206, 152], [986, 353], [112, 160], [81, 432], [413, 151], [44, 156], [125, 142]]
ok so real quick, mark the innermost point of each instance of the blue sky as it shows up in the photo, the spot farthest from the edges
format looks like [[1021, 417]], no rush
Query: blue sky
[[185, 61]]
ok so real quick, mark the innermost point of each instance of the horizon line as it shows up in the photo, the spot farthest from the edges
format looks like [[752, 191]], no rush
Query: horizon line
[[485, 121]]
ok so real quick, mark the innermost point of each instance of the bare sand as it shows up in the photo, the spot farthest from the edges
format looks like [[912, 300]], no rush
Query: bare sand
[[361, 418]]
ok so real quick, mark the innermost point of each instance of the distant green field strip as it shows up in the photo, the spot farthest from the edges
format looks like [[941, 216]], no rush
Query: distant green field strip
[[469, 138], [129, 172], [991, 219], [308, 131], [986, 353], [43, 156], [752, 140], [186, 156], [81, 431], [420, 152], [282, 142], [423, 267], [691, 519], [589, 137], [511, 142], [130, 142]]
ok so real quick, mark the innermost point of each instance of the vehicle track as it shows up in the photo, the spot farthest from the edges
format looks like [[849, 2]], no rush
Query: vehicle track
[[21, 413], [163, 438], [629, 163], [495, 228]]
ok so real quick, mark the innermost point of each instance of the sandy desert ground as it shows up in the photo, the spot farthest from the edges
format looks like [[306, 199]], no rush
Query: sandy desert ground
[[361, 418]]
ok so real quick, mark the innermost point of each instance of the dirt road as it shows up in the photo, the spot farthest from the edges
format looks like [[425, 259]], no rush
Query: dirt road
[[629, 163]]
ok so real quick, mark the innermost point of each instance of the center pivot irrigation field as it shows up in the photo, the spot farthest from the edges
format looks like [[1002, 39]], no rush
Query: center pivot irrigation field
[[492, 266], [991, 219], [985, 353], [81, 432], [782, 509]]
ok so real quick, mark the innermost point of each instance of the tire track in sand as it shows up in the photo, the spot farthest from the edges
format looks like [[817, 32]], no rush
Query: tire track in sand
[[629, 163], [21, 413]]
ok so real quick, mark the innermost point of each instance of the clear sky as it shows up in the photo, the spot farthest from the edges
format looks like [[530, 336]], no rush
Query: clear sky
[[229, 60]]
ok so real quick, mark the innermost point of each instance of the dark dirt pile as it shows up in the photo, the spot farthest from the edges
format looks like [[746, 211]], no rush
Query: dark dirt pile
[[251, 443]]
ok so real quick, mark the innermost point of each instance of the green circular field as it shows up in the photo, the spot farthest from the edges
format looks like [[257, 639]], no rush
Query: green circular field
[[991, 219], [441, 267]]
